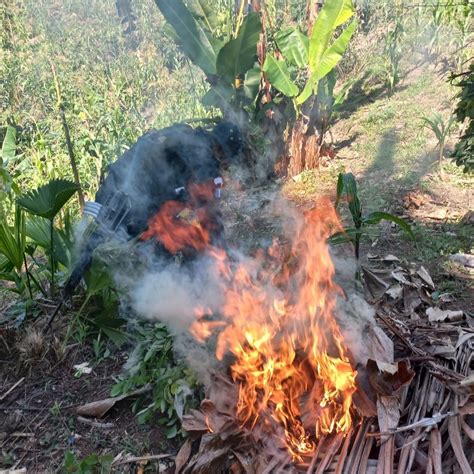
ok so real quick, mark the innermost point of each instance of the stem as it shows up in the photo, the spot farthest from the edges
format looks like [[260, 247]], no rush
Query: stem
[[28, 282], [441, 153], [72, 158], [67, 135], [51, 228]]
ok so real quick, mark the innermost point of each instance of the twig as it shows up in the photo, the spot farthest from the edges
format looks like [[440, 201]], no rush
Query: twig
[[142, 458], [423, 423], [53, 316], [95, 424], [10, 390]]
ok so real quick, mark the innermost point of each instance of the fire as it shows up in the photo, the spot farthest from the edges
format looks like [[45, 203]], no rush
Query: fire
[[289, 360], [179, 226]]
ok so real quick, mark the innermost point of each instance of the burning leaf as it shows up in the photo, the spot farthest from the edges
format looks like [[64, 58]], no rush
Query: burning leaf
[[290, 363], [436, 315]]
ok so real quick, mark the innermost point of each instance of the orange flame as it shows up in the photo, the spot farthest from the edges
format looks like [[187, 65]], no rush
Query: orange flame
[[289, 358], [177, 233]]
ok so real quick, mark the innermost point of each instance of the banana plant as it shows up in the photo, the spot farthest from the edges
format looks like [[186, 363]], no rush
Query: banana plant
[[347, 190], [46, 202], [227, 61], [313, 56]]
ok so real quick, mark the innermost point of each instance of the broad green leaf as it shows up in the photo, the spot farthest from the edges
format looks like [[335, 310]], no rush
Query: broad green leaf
[[48, 200], [349, 185], [252, 82], [218, 95], [307, 92], [39, 231], [192, 38], [333, 14], [9, 145], [206, 11], [334, 53], [376, 217], [238, 55], [294, 45], [12, 241], [279, 77]]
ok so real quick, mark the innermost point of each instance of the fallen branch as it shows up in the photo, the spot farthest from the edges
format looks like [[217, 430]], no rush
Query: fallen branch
[[95, 424], [130, 460]]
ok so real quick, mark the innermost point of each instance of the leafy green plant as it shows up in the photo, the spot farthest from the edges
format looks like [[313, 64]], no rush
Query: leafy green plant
[[464, 150], [174, 389], [92, 464], [225, 61], [46, 202], [393, 55], [441, 129], [12, 247], [347, 190], [7, 154]]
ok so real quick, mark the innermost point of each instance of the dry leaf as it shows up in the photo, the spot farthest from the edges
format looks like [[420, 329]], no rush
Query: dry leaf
[[426, 277], [99, 408], [390, 258], [183, 456], [387, 382], [454, 430], [395, 292], [376, 282], [436, 315]]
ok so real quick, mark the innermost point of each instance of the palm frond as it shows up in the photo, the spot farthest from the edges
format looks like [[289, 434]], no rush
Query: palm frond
[[48, 200]]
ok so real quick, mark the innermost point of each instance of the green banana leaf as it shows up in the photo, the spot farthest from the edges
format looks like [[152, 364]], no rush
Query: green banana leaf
[[238, 55], [48, 200], [294, 45], [192, 38], [334, 53], [279, 76], [206, 12], [323, 57], [217, 95], [252, 83]]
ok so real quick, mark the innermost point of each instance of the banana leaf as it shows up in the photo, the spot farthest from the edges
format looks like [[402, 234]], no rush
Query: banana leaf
[[279, 76], [238, 55], [192, 38], [294, 45]]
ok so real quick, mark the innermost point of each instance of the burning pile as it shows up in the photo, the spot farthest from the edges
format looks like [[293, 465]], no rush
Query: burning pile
[[278, 333]]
